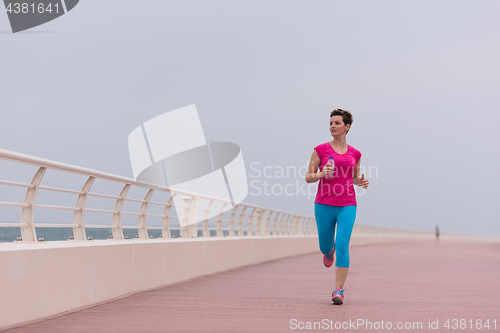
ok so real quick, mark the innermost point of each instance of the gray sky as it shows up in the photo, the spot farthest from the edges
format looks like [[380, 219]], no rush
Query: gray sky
[[420, 77]]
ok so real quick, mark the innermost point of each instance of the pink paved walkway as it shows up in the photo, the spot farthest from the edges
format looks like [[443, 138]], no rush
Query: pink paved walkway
[[395, 283]]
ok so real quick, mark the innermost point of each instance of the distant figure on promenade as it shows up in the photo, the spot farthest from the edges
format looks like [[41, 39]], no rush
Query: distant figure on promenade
[[335, 202], [437, 232]]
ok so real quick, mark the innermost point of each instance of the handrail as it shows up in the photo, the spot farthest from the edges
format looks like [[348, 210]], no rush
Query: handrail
[[3, 182], [245, 219], [41, 162], [55, 189], [257, 221]]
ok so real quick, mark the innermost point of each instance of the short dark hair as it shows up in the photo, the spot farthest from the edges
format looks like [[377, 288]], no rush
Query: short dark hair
[[346, 116]]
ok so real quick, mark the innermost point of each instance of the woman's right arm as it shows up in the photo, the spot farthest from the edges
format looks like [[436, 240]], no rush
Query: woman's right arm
[[312, 174]]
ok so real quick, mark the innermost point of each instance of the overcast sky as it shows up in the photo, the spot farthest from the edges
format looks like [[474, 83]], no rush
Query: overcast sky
[[421, 78]]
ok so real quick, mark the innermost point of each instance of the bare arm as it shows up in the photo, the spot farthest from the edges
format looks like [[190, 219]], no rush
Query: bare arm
[[356, 179], [312, 174]]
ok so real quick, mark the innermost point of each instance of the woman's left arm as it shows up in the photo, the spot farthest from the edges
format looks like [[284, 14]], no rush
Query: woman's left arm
[[360, 181]]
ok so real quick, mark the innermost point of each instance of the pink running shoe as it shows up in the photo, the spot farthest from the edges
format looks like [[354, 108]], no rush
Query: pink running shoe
[[328, 258], [338, 296]]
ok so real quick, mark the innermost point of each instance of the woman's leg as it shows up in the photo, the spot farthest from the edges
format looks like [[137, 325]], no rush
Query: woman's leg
[[340, 276], [325, 222], [345, 223]]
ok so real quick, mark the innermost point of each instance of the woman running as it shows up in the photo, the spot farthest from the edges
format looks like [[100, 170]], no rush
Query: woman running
[[335, 202]]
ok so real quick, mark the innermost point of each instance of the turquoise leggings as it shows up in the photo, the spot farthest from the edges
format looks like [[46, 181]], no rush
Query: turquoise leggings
[[326, 218]]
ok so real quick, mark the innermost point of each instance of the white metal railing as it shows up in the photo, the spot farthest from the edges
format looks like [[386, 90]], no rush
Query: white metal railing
[[259, 221], [244, 219]]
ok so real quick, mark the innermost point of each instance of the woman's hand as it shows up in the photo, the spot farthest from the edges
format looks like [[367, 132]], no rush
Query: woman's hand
[[364, 182], [312, 174], [327, 169], [355, 177]]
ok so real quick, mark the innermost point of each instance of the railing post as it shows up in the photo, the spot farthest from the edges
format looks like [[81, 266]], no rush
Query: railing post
[[250, 222], [189, 216], [165, 221], [354, 230], [279, 227], [272, 228], [260, 225], [284, 224], [219, 221], [305, 225], [306, 229], [28, 233], [231, 232], [240, 222], [142, 230], [293, 224], [311, 224], [299, 222], [117, 217], [79, 215], [205, 229], [277, 220], [193, 217]]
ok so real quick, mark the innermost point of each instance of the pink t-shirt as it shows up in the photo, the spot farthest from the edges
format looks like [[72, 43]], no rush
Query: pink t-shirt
[[338, 191]]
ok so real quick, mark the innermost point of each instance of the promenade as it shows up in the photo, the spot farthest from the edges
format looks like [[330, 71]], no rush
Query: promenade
[[405, 283]]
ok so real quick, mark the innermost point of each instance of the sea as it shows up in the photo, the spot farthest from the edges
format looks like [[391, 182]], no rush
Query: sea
[[10, 234]]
